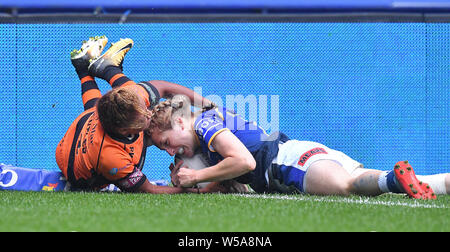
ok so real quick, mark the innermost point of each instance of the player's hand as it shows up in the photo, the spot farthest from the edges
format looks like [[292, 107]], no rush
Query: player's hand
[[185, 177], [173, 171]]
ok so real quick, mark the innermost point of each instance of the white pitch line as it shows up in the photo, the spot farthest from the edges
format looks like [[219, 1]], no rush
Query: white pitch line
[[365, 201]]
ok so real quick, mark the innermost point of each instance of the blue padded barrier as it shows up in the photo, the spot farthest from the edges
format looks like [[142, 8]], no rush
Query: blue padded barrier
[[376, 91]]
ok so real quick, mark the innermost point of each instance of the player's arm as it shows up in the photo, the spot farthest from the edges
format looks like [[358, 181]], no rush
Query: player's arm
[[237, 161], [137, 182], [168, 89], [148, 187]]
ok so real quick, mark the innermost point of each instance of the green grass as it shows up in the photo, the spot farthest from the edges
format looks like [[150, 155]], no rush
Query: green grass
[[70, 211]]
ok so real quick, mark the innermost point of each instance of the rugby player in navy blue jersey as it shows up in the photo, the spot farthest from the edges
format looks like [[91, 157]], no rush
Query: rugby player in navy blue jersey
[[240, 150]]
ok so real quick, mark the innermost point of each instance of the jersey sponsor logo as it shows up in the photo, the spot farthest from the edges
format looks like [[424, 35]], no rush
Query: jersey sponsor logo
[[309, 154], [114, 171]]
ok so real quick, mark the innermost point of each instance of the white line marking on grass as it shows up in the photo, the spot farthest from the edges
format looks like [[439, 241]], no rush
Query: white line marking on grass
[[365, 201]]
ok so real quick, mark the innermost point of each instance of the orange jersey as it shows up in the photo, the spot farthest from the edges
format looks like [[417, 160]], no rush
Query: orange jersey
[[90, 158]]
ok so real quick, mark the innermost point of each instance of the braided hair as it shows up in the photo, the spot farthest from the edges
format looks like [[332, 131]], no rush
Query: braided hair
[[164, 113]]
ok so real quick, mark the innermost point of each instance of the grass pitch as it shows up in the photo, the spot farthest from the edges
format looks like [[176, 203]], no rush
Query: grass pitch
[[75, 211]]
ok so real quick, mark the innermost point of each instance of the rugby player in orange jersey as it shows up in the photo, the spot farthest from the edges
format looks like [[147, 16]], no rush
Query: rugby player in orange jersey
[[106, 143]]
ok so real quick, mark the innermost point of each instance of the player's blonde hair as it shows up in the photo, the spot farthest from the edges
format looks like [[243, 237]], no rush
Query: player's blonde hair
[[164, 113], [120, 109]]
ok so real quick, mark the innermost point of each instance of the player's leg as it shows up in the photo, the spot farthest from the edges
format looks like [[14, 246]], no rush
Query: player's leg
[[332, 177], [329, 177], [335, 175], [313, 168], [331, 172], [326, 177], [109, 65], [365, 182], [80, 59], [402, 179]]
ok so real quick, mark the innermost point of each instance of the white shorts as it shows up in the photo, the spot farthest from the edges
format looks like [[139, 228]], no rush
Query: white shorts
[[295, 157]]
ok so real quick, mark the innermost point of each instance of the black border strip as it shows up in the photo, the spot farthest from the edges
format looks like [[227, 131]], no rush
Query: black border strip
[[437, 18], [369, 17]]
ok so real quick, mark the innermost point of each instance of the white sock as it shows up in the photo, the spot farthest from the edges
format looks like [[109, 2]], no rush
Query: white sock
[[436, 182], [388, 183]]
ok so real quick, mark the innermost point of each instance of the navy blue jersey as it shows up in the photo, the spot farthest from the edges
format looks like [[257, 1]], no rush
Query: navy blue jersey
[[262, 146]]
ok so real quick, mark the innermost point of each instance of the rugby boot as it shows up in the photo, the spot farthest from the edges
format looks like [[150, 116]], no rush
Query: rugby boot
[[90, 49], [113, 57], [428, 190], [407, 179]]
